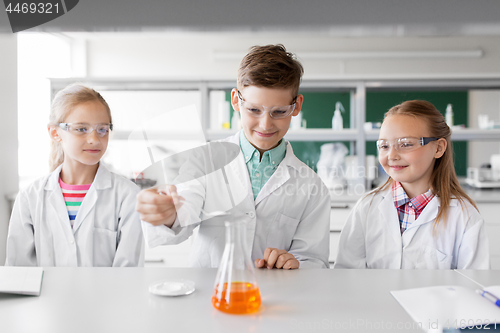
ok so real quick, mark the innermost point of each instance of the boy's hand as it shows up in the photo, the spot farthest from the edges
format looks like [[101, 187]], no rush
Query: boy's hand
[[277, 258], [158, 207]]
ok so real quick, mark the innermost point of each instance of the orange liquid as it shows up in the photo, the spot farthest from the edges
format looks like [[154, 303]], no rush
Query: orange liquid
[[243, 298]]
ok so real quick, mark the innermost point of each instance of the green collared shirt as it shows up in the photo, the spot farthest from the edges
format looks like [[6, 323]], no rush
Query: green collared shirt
[[261, 170]]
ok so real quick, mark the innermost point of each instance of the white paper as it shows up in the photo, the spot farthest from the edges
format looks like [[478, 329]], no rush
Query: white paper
[[445, 307], [21, 280]]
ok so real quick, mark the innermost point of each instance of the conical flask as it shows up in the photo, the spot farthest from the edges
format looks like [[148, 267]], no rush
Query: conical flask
[[236, 290]]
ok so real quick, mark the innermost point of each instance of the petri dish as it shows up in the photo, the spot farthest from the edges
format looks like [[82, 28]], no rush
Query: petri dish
[[172, 287]]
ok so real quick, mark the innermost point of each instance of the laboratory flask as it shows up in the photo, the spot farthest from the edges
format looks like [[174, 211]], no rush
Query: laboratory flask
[[236, 290]]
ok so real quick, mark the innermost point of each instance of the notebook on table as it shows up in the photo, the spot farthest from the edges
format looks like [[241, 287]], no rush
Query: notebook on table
[[21, 280], [452, 308]]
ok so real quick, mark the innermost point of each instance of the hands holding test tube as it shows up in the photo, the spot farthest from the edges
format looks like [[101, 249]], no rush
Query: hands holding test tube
[[159, 205], [276, 258]]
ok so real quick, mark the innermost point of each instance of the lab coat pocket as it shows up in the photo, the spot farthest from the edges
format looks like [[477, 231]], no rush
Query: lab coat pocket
[[105, 244], [443, 260], [427, 257], [281, 232]]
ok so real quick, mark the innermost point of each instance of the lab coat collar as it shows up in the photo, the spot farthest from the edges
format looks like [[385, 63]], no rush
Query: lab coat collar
[[101, 181], [390, 216], [56, 199], [279, 177]]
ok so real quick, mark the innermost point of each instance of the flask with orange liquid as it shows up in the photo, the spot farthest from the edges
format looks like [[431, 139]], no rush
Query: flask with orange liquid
[[236, 290]]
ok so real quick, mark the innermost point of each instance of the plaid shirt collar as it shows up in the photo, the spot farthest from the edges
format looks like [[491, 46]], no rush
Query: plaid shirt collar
[[401, 198]]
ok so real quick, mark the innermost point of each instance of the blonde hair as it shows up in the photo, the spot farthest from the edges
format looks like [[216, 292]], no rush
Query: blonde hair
[[444, 182], [63, 103]]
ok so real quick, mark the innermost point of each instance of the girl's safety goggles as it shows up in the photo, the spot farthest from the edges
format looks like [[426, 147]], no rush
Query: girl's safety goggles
[[257, 111], [85, 129], [403, 145]]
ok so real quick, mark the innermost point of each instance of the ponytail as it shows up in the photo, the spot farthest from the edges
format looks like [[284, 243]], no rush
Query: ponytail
[[56, 156]]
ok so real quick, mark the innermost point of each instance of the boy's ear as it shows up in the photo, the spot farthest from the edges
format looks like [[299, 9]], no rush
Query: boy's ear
[[54, 135], [234, 100], [298, 105], [441, 146]]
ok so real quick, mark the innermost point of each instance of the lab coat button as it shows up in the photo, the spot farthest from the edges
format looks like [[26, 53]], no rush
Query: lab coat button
[[72, 242], [251, 214]]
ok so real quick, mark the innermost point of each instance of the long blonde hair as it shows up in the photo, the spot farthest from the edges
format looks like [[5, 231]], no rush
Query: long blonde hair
[[444, 182], [63, 103]]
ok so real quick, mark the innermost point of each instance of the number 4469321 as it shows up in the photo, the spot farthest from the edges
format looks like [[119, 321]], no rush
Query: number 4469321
[[32, 8]]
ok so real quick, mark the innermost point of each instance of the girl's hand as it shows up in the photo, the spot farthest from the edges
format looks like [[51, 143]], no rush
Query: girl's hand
[[158, 207], [277, 258]]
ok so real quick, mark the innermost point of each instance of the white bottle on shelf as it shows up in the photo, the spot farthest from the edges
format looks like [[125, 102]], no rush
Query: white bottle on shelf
[[235, 121], [449, 115], [337, 121]]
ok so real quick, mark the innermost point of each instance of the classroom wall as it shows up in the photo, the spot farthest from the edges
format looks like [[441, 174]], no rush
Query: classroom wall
[[483, 102], [8, 131], [198, 55], [217, 55]]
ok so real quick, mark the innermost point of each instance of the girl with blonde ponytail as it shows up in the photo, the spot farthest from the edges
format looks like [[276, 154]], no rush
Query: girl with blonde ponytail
[[421, 217], [81, 214]]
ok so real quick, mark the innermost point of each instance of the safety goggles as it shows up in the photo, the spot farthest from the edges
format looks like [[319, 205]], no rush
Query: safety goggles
[[403, 145], [257, 111], [85, 129]]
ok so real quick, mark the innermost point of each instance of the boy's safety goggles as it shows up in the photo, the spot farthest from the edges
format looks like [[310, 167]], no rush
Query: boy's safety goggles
[[85, 129], [257, 111], [403, 145]]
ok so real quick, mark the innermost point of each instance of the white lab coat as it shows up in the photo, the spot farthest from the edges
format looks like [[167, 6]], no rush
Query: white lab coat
[[371, 237], [107, 230], [291, 212]]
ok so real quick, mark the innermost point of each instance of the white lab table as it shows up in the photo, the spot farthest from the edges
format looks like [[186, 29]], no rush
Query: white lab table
[[482, 278], [117, 300]]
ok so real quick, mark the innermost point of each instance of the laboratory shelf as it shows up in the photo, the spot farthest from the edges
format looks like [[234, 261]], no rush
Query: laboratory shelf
[[312, 134], [466, 134], [475, 134], [321, 134], [157, 135]]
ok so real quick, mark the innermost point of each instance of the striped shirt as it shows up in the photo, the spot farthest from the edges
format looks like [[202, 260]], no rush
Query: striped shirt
[[408, 209], [73, 197]]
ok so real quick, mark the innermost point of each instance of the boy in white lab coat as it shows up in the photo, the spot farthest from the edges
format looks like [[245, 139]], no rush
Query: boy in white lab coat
[[285, 204]]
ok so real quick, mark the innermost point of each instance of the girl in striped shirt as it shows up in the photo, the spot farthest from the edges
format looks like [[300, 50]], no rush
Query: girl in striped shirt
[[81, 214], [421, 217]]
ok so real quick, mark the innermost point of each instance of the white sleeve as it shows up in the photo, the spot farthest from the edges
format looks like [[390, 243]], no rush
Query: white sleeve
[[188, 217], [21, 240], [352, 252], [163, 235], [474, 249]]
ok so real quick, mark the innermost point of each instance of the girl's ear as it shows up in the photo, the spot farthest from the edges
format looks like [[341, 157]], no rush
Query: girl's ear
[[53, 133], [441, 146], [234, 100]]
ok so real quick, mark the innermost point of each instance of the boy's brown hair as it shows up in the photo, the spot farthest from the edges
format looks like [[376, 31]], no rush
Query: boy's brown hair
[[270, 66]]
